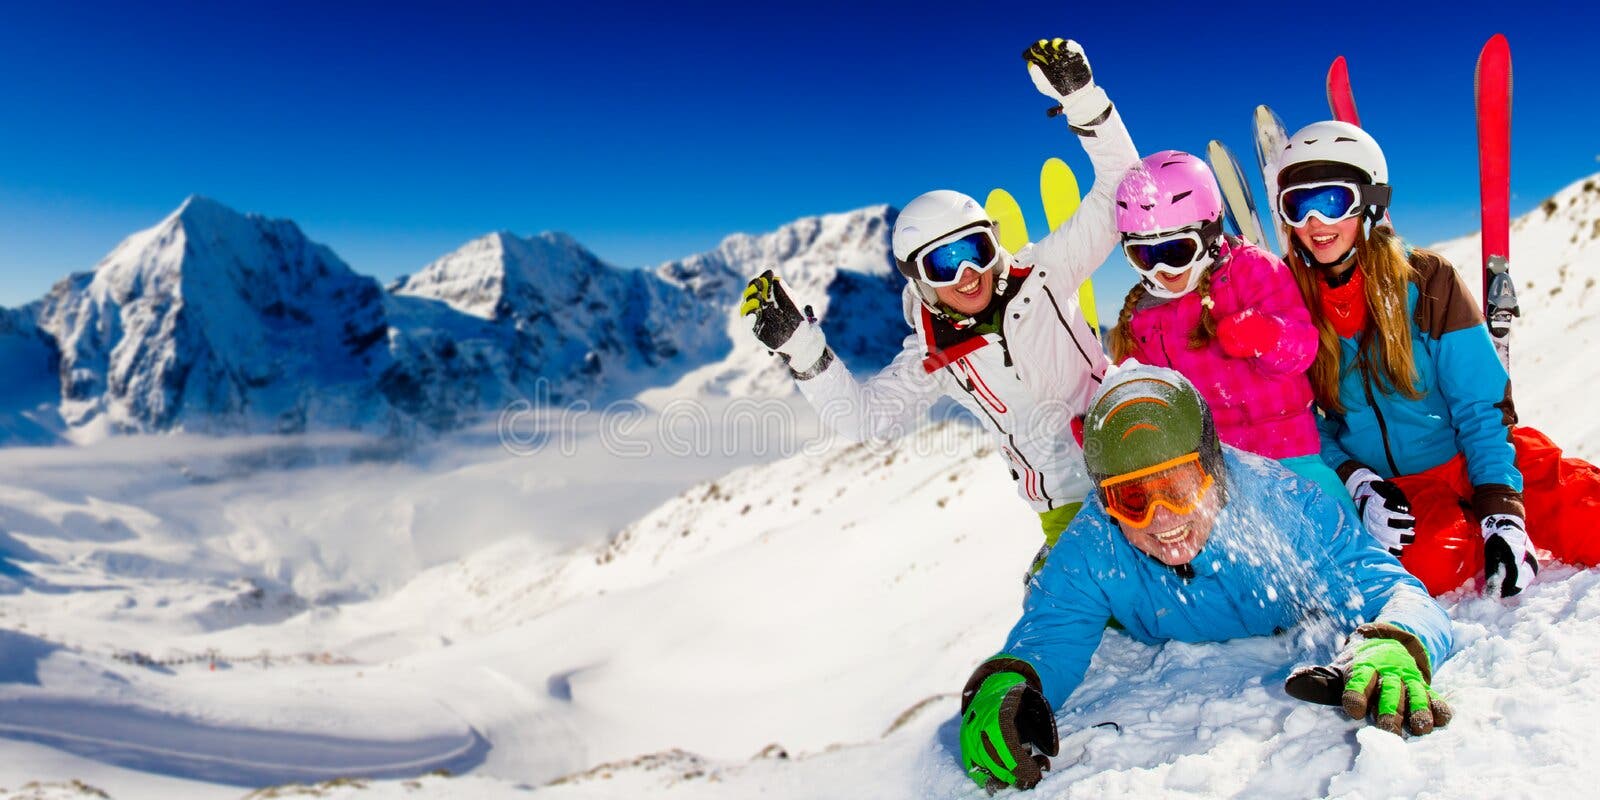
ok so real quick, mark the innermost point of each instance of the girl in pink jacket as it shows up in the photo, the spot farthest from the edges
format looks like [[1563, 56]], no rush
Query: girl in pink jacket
[[1226, 314]]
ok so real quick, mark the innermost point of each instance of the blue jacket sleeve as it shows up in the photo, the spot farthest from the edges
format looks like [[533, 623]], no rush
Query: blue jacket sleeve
[[1388, 593], [1472, 382], [1476, 389], [1333, 453], [1062, 621]]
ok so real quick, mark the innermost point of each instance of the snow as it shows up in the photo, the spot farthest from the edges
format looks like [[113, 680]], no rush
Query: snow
[[602, 610], [1555, 259]]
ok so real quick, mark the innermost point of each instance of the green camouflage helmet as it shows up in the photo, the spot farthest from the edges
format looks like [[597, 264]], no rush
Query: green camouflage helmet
[[1143, 416]]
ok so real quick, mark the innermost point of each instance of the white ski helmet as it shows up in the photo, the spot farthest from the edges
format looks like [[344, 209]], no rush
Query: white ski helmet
[[1332, 150], [927, 219]]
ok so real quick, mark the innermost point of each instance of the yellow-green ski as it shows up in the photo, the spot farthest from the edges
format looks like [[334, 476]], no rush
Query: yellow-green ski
[[1058, 187], [1007, 215]]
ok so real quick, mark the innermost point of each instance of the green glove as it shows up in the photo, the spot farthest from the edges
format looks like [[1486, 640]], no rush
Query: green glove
[[1384, 672], [1004, 715]]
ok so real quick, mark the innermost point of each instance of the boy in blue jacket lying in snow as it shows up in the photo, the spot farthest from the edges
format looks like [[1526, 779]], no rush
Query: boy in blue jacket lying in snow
[[1187, 539]]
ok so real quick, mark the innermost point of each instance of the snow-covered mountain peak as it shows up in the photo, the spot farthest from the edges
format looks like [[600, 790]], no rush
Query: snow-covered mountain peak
[[214, 319], [200, 209], [485, 276], [810, 251], [203, 241]]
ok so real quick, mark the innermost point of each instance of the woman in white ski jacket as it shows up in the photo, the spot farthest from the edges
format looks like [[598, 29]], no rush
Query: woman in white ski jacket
[[1000, 333]]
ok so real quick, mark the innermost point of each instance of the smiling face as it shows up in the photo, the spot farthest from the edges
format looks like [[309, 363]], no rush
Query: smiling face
[[970, 295], [1173, 283], [1327, 243], [1175, 539]]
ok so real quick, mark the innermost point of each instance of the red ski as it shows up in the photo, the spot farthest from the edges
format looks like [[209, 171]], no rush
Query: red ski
[[1492, 89], [1341, 98], [1342, 102]]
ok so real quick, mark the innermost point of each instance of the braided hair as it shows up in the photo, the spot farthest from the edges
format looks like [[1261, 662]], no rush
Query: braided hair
[[1122, 344], [1206, 329]]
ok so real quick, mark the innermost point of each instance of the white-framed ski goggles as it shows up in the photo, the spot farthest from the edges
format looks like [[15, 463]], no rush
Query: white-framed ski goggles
[[1329, 201], [940, 262], [1171, 255]]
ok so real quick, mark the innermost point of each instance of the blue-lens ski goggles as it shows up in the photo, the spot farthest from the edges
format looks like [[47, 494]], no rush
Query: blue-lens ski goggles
[[941, 264], [1330, 201]]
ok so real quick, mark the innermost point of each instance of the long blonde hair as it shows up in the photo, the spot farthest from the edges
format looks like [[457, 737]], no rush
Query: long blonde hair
[[1384, 352]]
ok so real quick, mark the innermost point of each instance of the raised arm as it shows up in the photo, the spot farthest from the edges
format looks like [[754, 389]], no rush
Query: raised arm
[[887, 406], [1073, 251]]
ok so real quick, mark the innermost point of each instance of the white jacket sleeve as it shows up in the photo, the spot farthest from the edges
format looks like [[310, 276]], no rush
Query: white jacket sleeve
[[1072, 252], [889, 405]]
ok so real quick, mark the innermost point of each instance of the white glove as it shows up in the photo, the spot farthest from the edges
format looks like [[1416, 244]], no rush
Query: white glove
[[1507, 552], [1385, 511]]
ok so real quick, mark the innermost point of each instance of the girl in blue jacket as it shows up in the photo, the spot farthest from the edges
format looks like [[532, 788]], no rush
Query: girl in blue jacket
[[1418, 415]]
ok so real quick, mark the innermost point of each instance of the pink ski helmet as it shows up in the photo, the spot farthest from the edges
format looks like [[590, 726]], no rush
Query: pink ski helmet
[[1167, 191]]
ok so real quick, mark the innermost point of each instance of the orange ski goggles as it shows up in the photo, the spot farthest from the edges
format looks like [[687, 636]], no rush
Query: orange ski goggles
[[1179, 484]]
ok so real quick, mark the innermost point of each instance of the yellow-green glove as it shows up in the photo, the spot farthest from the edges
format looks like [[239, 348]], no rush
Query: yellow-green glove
[[1003, 716], [1384, 672]]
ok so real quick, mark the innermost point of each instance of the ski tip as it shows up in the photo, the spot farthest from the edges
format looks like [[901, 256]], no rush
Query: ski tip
[[998, 196], [1496, 47], [1495, 57], [1054, 170], [1265, 113], [1221, 157]]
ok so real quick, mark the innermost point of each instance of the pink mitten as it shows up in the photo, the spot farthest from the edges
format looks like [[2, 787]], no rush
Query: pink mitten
[[1248, 334]]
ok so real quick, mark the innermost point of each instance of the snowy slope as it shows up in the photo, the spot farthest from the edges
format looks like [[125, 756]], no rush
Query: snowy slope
[[1555, 259], [621, 647], [639, 626]]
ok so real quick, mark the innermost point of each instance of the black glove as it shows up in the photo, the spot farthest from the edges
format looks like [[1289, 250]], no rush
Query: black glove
[[1061, 65], [774, 316], [777, 323]]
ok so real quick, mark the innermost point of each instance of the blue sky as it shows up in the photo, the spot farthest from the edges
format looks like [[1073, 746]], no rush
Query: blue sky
[[394, 132]]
